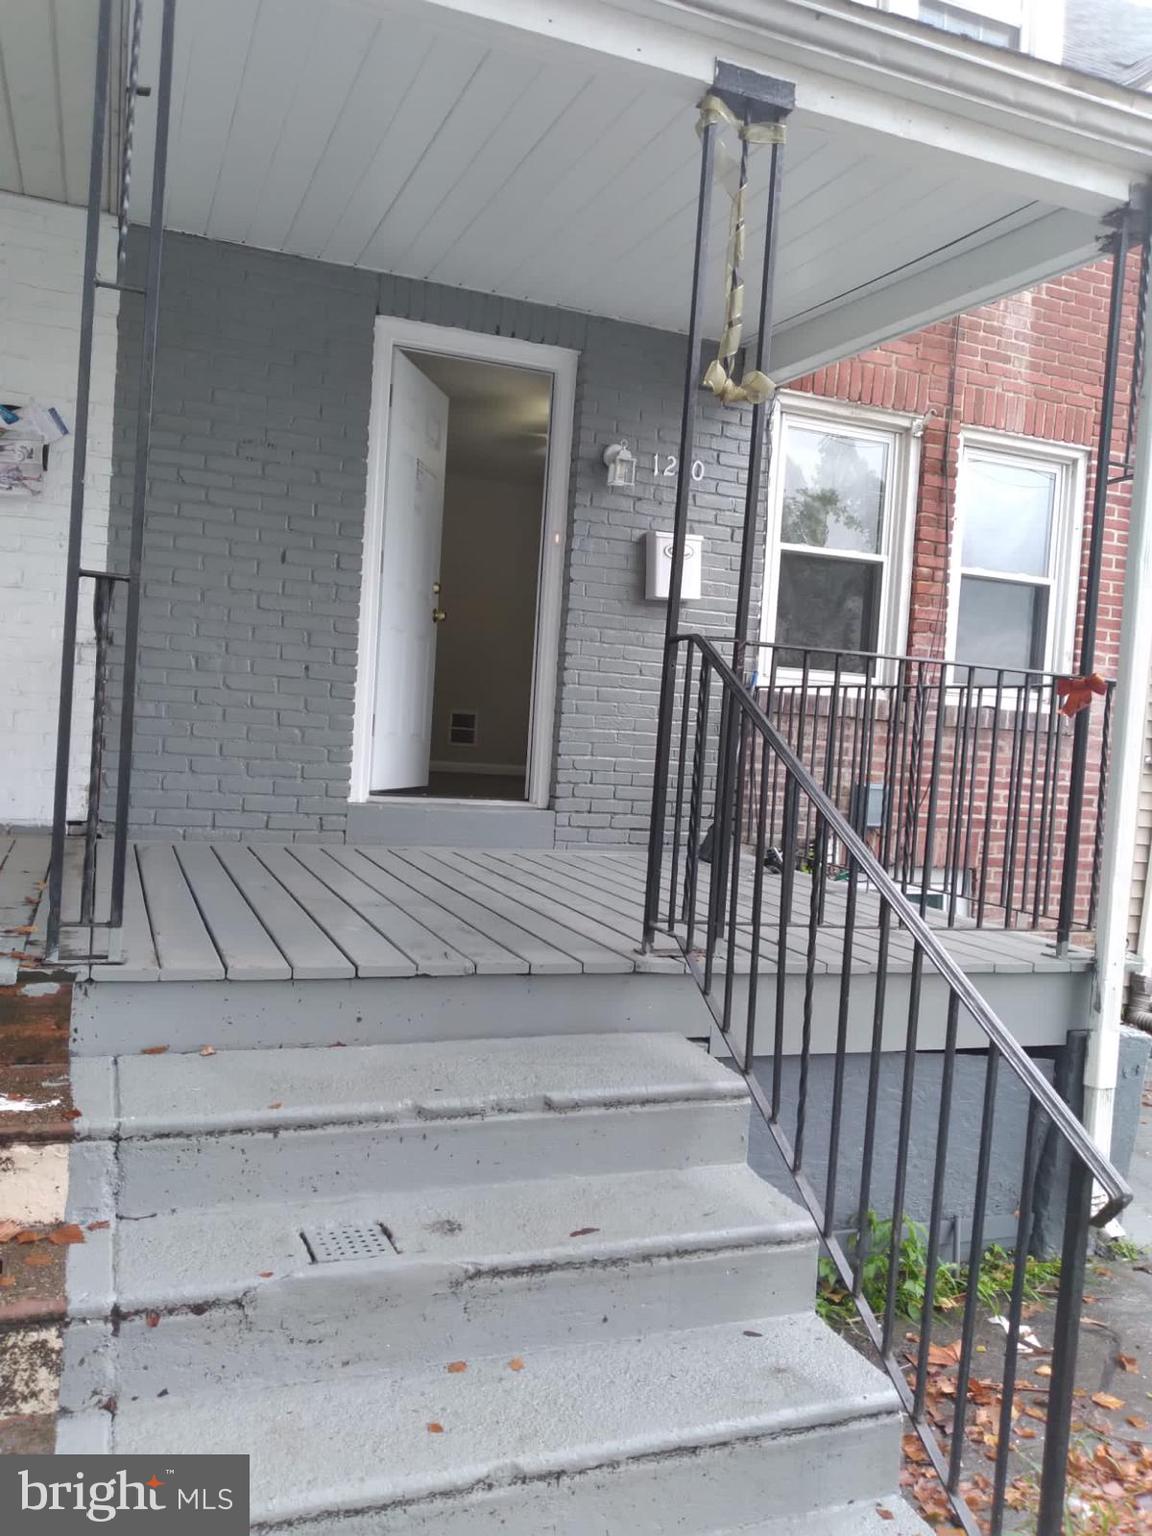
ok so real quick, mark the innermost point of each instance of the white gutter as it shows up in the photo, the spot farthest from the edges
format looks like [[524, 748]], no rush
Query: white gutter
[[1128, 724], [913, 58], [1066, 139]]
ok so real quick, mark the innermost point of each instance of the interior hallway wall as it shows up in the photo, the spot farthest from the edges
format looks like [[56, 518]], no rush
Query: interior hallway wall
[[489, 559]]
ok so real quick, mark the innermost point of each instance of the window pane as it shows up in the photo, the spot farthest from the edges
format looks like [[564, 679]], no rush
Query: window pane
[[827, 603], [833, 490], [1002, 623], [966, 23], [1007, 516]]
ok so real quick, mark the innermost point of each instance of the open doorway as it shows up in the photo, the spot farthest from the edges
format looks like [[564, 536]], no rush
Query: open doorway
[[462, 566]]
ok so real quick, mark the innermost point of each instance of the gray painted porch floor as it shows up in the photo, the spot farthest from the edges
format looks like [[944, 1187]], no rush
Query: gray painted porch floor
[[267, 912]]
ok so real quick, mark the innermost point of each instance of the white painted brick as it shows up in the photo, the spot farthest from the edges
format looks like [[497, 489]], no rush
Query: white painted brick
[[41, 262]]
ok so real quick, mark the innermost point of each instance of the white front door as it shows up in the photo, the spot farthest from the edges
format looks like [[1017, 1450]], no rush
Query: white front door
[[409, 567]]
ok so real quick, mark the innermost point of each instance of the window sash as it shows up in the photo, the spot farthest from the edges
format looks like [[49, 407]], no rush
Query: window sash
[[971, 21], [853, 423], [977, 456], [832, 554], [1061, 579]]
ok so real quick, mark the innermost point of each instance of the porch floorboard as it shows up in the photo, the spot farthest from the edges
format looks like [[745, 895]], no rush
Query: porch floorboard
[[264, 912]]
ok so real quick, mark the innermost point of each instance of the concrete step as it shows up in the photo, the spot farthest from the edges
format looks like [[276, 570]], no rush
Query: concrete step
[[693, 1431], [205, 1298], [889, 1516], [272, 1125]]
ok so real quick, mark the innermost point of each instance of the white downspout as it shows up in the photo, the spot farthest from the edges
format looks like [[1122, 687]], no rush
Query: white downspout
[[1145, 935], [1119, 848]]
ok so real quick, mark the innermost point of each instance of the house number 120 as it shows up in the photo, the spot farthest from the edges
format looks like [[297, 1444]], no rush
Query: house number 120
[[666, 465]]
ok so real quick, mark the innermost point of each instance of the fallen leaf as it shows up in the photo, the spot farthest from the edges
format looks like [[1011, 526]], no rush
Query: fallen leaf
[[207, 1050], [914, 1450], [98, 1226], [266, 1274], [583, 1231], [1106, 1400], [279, 1104], [515, 1364], [944, 1354], [752, 1333], [39, 1259], [885, 1514], [8, 1230], [152, 1319], [1137, 1422], [153, 1050], [434, 1428], [67, 1232], [454, 1367], [1043, 1370], [1128, 1363]]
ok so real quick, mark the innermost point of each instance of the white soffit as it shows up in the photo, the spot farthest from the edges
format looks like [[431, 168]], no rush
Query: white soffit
[[550, 154]]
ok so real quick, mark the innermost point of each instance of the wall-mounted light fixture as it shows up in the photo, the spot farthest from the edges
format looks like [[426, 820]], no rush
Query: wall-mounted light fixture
[[621, 466]]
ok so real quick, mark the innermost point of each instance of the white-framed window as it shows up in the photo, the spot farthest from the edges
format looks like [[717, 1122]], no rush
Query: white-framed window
[[1033, 26], [978, 25], [840, 522], [1015, 552]]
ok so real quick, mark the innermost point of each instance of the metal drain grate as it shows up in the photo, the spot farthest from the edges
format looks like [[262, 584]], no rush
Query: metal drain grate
[[349, 1240]]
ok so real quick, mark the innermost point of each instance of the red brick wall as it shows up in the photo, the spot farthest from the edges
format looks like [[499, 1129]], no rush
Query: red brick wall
[[1031, 365]]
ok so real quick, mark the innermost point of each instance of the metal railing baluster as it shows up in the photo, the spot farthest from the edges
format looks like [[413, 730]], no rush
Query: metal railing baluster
[[765, 768]]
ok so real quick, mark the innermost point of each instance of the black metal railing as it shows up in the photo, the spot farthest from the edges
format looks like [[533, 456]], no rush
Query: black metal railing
[[104, 584], [957, 776], [790, 920], [108, 112]]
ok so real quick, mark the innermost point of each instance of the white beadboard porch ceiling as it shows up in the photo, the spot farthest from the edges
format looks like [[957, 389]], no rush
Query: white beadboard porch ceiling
[[426, 140]]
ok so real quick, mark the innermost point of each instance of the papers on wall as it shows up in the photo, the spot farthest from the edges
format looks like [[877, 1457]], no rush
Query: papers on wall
[[43, 419], [21, 464], [25, 432]]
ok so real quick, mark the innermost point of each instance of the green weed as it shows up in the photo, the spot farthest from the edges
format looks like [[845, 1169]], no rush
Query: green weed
[[993, 1282]]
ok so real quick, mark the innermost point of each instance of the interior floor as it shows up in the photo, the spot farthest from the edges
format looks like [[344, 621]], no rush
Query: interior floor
[[449, 784]]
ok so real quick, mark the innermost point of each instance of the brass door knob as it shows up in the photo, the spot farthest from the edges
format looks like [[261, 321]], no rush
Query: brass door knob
[[438, 615]]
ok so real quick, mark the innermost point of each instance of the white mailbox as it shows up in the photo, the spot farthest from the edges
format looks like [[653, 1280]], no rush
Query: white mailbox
[[659, 566]]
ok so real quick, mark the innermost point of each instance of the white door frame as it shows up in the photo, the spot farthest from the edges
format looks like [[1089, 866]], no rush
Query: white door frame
[[561, 363]]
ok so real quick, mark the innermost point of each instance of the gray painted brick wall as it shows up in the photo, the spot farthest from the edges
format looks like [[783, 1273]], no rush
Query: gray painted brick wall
[[254, 528]]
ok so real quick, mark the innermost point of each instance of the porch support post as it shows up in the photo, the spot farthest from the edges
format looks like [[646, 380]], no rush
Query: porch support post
[[679, 538], [79, 469], [754, 98], [759, 461], [728, 793], [1130, 218], [760, 437], [1128, 716], [147, 376]]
